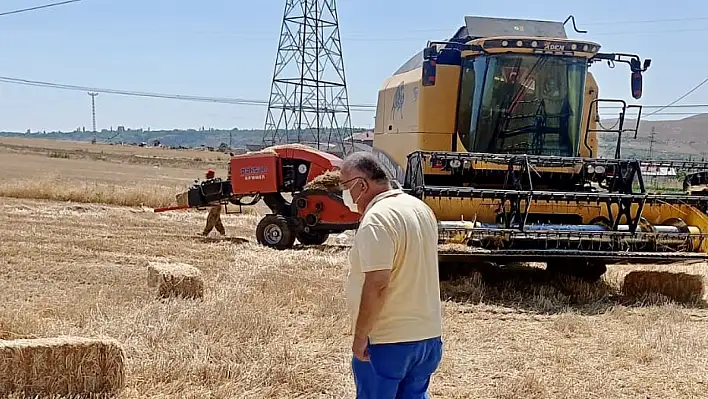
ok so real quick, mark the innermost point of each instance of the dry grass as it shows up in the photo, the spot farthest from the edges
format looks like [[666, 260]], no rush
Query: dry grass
[[273, 325], [115, 153], [59, 189], [86, 181]]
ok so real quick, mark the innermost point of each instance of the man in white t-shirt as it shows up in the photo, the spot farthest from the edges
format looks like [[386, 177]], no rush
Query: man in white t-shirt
[[393, 291]]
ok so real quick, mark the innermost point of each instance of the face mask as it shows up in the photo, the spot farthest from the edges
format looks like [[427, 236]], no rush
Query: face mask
[[349, 201]]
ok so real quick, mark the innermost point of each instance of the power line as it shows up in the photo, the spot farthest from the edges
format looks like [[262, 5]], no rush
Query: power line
[[648, 21], [653, 31], [596, 23], [358, 37], [220, 100], [662, 107], [38, 7], [622, 33], [674, 113], [680, 98], [243, 101]]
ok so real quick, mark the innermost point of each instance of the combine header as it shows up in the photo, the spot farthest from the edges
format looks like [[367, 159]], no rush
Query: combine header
[[497, 130], [604, 215]]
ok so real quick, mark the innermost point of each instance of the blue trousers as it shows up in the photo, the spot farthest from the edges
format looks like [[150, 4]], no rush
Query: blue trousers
[[397, 371]]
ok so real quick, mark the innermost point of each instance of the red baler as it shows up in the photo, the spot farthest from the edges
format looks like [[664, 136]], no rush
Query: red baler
[[310, 216]]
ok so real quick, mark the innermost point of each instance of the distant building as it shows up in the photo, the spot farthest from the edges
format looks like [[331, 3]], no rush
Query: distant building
[[363, 141], [657, 171], [366, 137]]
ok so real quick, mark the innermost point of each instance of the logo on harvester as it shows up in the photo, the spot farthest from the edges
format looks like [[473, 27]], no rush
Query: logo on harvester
[[254, 172], [399, 99]]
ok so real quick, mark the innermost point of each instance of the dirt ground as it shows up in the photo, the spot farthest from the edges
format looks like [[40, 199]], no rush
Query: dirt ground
[[272, 324]]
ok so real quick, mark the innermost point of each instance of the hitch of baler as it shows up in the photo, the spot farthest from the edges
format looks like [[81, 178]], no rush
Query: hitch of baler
[[208, 192], [203, 194]]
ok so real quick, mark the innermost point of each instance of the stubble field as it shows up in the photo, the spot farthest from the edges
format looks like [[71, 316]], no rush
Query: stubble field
[[273, 325]]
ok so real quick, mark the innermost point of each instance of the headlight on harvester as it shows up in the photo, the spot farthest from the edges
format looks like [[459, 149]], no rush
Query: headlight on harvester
[[455, 163], [596, 169]]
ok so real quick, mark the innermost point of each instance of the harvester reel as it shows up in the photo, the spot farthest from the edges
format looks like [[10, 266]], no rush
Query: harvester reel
[[274, 231], [678, 223], [683, 228], [602, 221]]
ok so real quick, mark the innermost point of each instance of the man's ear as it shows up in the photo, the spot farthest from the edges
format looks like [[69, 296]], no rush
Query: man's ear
[[365, 185]]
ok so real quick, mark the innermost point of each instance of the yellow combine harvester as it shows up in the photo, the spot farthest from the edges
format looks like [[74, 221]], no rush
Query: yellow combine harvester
[[497, 130]]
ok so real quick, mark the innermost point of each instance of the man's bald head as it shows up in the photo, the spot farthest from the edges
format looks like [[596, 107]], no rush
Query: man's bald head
[[366, 165], [365, 177]]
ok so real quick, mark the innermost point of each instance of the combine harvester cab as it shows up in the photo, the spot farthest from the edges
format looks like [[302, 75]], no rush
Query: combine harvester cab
[[497, 130]]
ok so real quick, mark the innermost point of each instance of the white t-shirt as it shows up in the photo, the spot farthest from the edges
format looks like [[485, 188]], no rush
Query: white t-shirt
[[398, 232]]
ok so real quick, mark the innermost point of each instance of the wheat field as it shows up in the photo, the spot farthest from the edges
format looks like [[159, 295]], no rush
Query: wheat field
[[272, 324]]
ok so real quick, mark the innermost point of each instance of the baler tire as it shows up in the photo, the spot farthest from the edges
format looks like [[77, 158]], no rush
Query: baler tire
[[312, 238], [275, 223]]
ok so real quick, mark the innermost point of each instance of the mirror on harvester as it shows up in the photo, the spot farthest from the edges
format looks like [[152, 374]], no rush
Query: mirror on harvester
[[637, 85], [429, 70]]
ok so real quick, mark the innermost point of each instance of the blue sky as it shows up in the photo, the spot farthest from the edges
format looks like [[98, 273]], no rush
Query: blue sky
[[227, 48]]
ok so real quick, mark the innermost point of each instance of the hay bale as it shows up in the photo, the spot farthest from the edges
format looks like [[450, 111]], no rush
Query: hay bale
[[61, 366], [175, 280], [330, 181], [680, 287]]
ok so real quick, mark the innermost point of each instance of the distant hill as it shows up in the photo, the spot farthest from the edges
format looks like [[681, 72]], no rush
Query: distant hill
[[191, 138], [677, 139], [172, 138]]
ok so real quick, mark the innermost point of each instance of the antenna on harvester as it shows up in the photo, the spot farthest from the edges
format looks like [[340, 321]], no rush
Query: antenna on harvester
[[309, 102]]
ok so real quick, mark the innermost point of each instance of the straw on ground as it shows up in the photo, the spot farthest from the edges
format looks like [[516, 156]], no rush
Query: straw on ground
[[273, 324]]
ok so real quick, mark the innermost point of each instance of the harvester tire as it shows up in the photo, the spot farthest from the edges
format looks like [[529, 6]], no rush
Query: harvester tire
[[274, 231], [312, 238], [588, 271]]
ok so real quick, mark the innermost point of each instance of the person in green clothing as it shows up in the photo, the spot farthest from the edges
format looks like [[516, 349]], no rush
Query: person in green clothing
[[214, 217]]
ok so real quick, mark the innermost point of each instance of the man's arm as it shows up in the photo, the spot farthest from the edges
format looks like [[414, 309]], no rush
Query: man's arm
[[373, 296], [376, 248]]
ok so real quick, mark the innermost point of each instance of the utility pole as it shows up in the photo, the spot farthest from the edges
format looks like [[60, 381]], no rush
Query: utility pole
[[93, 113], [651, 154], [651, 141], [309, 102]]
